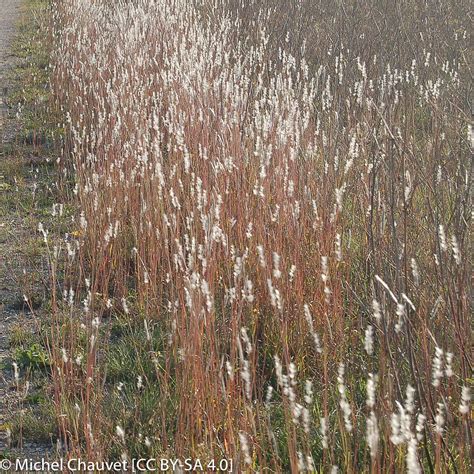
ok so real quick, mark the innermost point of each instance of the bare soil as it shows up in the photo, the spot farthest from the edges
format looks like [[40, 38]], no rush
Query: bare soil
[[10, 10]]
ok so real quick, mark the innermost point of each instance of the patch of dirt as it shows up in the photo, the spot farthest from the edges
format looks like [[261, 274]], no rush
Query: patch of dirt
[[10, 11]]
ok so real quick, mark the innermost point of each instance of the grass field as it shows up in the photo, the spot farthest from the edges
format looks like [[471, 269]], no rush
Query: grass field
[[269, 256]]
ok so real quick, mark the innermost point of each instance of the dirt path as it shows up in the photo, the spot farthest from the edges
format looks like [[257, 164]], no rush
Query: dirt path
[[8, 18], [17, 234], [9, 13]]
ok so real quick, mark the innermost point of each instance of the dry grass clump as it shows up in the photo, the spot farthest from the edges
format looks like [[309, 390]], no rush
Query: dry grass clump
[[271, 260]]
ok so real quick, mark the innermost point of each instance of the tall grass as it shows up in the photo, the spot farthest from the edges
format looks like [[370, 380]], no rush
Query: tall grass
[[271, 254]]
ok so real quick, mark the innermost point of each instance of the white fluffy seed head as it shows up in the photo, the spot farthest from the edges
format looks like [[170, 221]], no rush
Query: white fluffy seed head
[[343, 402], [465, 404], [437, 371], [439, 419], [244, 447], [373, 435], [369, 340], [377, 311], [120, 433], [371, 388]]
